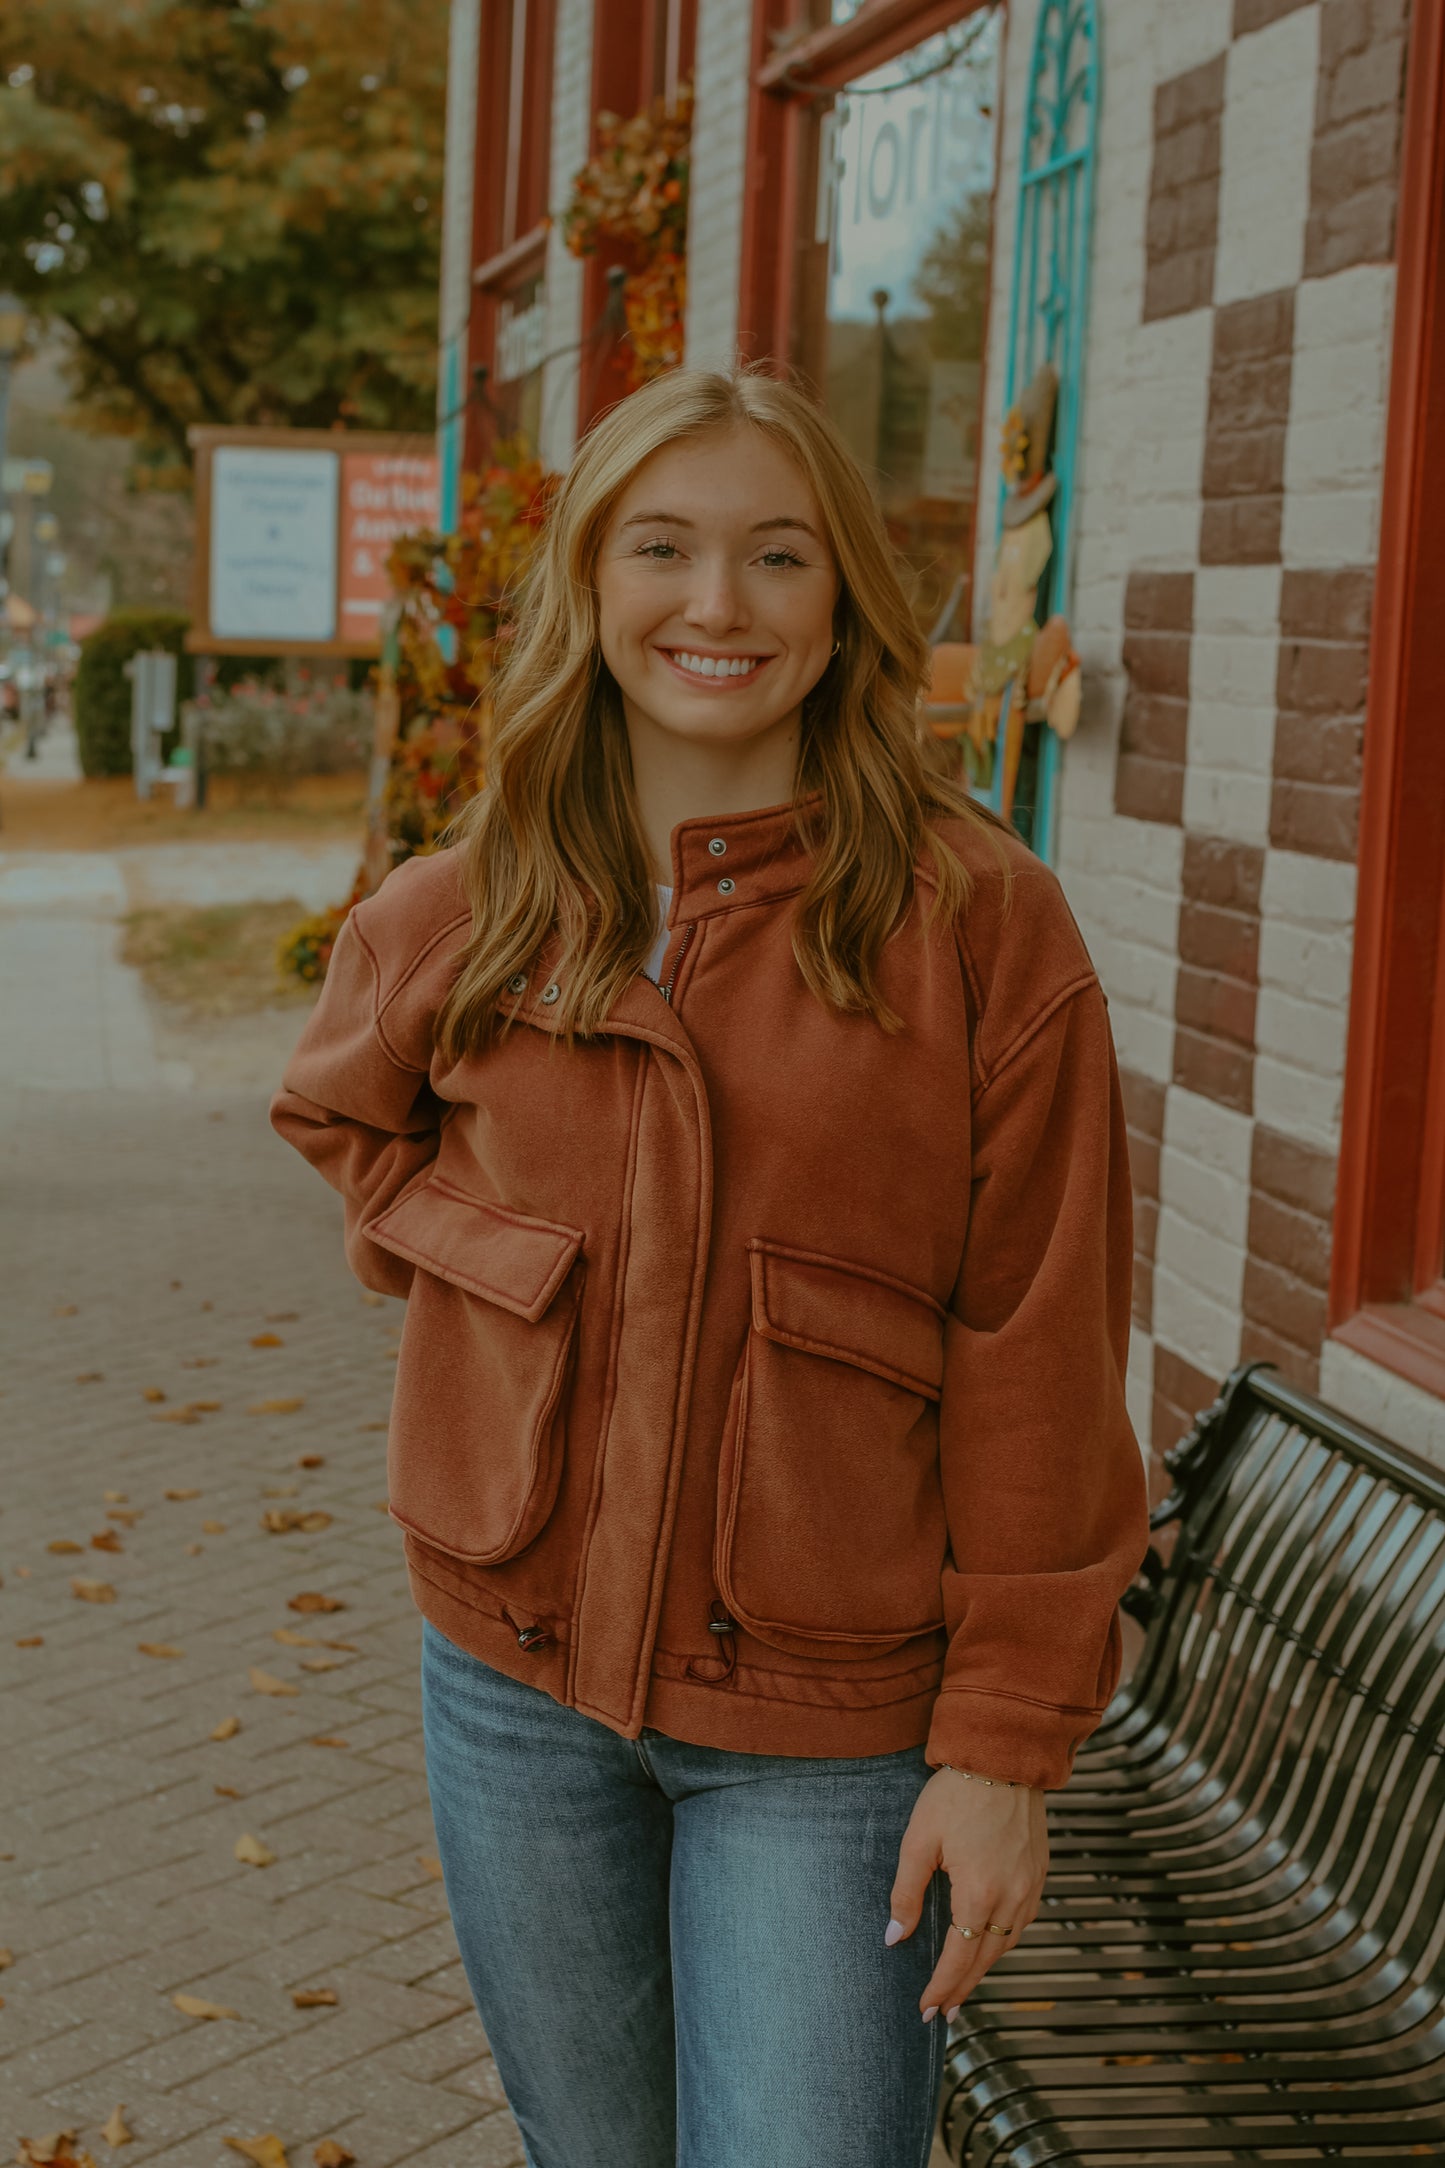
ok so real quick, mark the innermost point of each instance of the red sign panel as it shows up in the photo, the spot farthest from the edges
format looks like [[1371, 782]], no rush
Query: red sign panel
[[382, 496]]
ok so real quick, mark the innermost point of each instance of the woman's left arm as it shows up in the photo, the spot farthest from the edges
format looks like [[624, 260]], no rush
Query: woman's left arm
[[1043, 1481]]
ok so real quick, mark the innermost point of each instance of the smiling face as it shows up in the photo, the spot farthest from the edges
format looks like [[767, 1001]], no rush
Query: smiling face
[[716, 591]]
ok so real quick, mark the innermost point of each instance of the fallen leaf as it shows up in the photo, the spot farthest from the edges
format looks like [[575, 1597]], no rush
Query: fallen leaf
[[314, 1998], [227, 1728], [31, 1641], [362, 1428], [197, 2006], [66, 1309], [292, 1640], [194, 1550], [213, 1528], [284, 1520], [331, 2154], [176, 1415], [263, 1683], [200, 1362], [63, 1545], [373, 1302], [225, 1791], [58, 2147], [93, 1591], [267, 2151], [107, 1540], [319, 1663], [381, 1505], [323, 1741], [277, 1407], [350, 1647], [7, 1958], [312, 1460], [282, 1317], [1130, 2062], [89, 1377], [251, 1852], [117, 1498], [206, 1407], [311, 1599], [159, 1648], [114, 2132], [152, 1392], [429, 1866], [267, 1339], [127, 1518], [179, 1497], [282, 1490], [214, 1118]]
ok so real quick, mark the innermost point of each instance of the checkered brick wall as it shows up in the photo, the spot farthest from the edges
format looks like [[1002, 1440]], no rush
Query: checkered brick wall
[[1232, 442]]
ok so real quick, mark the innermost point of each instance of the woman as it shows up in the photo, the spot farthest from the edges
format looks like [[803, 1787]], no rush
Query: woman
[[736, 1106]]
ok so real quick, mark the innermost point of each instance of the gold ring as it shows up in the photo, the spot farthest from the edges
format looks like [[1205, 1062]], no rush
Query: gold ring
[[969, 1934], [992, 1930]]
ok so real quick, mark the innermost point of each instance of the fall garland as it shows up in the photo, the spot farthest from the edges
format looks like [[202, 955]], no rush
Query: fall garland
[[633, 189]]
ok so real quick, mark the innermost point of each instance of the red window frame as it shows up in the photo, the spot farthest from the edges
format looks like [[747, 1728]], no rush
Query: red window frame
[[509, 204], [794, 57], [641, 50], [1387, 1294]]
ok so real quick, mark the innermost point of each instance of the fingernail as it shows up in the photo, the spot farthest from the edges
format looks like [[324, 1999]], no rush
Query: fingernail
[[930, 2012], [896, 1932], [950, 2015]]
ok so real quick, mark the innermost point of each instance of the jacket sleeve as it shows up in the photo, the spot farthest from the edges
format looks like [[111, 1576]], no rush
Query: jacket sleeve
[[1044, 1484], [356, 1108]]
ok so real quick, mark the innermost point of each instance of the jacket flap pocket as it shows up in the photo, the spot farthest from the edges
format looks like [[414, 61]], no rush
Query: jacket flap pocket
[[849, 1313], [505, 1257]]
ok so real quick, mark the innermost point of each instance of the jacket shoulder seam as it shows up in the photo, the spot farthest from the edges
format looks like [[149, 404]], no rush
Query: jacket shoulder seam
[[384, 1003], [1030, 1031]]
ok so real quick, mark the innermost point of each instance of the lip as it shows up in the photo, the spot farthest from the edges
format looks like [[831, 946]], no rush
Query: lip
[[714, 684]]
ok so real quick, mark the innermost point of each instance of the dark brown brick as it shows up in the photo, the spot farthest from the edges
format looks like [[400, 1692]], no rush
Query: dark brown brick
[[1257, 1344], [1215, 1007], [1249, 394], [1159, 602], [1295, 1241], [1284, 1305], [1246, 531], [1223, 873], [1319, 821], [1144, 1119], [1259, 14], [1326, 605], [1206, 1064], [1182, 222], [1226, 942], [1355, 156], [1323, 750], [1181, 1390], [1296, 1174], [1149, 790]]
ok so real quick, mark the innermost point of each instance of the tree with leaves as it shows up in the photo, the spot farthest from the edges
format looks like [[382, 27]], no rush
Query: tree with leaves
[[231, 208]]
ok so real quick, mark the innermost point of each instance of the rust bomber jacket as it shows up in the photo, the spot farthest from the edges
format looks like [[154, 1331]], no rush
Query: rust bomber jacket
[[762, 1376]]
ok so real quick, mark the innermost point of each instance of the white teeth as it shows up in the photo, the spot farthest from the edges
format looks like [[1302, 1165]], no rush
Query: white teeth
[[716, 666]]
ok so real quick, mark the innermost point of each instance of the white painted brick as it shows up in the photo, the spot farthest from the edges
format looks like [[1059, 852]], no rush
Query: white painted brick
[[1143, 1038], [1269, 103], [1334, 445], [571, 129], [1214, 1137], [1301, 1102], [1378, 1398], [1233, 664], [719, 150], [1139, 1387], [1312, 891], [1196, 1324], [1211, 1264], [1183, 37]]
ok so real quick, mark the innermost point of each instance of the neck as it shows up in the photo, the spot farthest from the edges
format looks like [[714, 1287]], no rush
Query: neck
[[678, 779]]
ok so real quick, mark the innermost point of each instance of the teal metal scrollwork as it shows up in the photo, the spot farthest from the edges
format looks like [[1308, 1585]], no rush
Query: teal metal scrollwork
[[1049, 309]]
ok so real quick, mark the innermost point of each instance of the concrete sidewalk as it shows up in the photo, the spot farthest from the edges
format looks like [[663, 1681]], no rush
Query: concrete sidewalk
[[179, 1335]]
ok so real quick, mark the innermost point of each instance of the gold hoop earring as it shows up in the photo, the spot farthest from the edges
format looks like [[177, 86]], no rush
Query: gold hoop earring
[[836, 645]]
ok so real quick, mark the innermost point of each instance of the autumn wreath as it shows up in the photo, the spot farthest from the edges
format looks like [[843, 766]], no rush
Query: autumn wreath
[[633, 189]]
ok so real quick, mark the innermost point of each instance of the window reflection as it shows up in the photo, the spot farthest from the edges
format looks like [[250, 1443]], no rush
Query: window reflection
[[904, 205]]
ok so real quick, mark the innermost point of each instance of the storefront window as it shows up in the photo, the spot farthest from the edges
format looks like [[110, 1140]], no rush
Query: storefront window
[[519, 341], [904, 204]]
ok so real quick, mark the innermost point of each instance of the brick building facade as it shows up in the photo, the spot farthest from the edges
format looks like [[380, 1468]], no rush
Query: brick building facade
[[1255, 402]]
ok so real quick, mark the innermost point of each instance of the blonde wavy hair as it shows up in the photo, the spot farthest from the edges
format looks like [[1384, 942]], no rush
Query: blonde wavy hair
[[553, 844]]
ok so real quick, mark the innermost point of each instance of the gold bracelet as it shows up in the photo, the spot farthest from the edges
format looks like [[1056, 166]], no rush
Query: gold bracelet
[[1007, 1784]]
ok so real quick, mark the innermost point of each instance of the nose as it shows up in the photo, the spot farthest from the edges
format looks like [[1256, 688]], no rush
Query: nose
[[715, 604]]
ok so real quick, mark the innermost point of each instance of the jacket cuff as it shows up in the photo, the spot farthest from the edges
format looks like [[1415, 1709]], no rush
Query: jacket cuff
[[1004, 1736]]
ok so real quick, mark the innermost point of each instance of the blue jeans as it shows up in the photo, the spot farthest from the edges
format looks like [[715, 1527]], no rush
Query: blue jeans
[[677, 1951]]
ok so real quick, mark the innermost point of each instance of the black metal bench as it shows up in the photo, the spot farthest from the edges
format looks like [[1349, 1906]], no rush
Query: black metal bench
[[1239, 1953]]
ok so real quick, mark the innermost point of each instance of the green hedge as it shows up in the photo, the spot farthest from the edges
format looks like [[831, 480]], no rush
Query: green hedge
[[102, 689]]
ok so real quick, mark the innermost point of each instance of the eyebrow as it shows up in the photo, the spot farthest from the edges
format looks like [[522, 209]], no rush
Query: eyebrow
[[761, 526]]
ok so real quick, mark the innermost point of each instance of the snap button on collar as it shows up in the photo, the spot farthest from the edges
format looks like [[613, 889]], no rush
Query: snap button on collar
[[517, 983], [717, 846], [726, 886], [551, 993]]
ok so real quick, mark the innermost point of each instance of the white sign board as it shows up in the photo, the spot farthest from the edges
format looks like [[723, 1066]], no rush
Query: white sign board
[[273, 543]]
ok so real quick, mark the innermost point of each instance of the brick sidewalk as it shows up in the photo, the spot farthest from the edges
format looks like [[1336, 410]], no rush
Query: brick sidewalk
[[148, 1234]]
